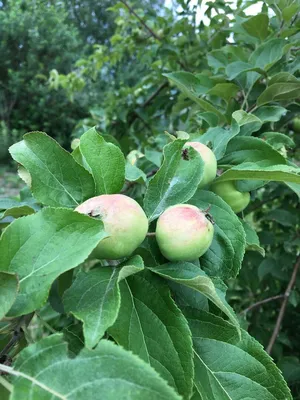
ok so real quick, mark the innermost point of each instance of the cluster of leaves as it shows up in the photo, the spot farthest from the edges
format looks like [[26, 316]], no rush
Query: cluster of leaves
[[173, 317]]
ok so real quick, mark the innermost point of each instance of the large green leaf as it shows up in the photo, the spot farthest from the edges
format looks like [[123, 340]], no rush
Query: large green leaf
[[279, 92], [257, 26], [105, 161], [238, 67], [188, 274], [190, 85], [248, 123], [218, 138], [94, 297], [227, 368], [262, 170], [224, 90], [268, 53], [243, 149], [134, 174], [9, 286], [151, 326], [270, 113], [40, 247], [57, 179], [175, 182], [277, 140], [224, 257], [17, 212], [44, 371]]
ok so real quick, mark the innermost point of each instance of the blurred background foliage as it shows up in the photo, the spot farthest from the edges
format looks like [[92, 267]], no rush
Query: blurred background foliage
[[68, 65]]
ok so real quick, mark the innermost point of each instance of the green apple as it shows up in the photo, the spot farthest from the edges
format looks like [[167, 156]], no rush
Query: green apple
[[183, 233], [296, 124], [237, 200], [210, 162], [124, 221]]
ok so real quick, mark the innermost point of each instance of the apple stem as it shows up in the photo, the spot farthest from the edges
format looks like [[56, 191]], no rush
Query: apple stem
[[151, 234]]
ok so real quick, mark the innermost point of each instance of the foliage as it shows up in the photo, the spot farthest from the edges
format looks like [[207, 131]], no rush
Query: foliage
[[176, 329]]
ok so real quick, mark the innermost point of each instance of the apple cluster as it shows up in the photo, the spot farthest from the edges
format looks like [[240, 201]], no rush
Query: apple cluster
[[183, 231]]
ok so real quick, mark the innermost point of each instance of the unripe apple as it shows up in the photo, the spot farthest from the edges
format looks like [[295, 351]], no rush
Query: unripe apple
[[296, 124], [124, 221], [235, 199], [183, 233], [210, 162]]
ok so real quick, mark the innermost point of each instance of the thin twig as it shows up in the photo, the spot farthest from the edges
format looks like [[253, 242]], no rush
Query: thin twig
[[45, 324], [141, 20], [154, 94], [259, 303], [283, 306], [151, 173], [18, 333]]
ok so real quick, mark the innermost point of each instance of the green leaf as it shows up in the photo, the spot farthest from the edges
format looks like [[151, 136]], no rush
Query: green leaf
[[242, 149], [189, 83], [209, 117], [44, 371], [154, 156], [268, 53], [290, 10], [40, 247], [277, 140], [261, 170], [248, 123], [17, 212], [175, 182], [189, 275], [94, 297], [279, 92], [252, 239], [57, 179], [246, 371], [152, 327], [270, 113], [238, 67], [224, 90], [257, 26], [134, 174], [9, 286], [224, 257], [191, 86], [283, 77], [105, 160]]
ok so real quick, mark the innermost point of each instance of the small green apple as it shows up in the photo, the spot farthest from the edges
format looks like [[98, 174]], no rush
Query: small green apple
[[237, 200], [183, 233], [124, 221], [210, 162], [296, 124]]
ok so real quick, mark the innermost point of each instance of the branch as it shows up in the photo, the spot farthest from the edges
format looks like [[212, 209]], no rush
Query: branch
[[131, 10], [259, 303], [18, 333], [283, 306], [154, 94]]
